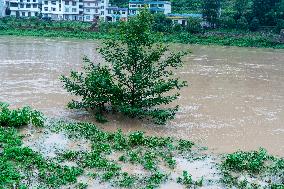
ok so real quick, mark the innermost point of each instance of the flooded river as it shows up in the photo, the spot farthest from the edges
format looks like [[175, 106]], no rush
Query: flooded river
[[235, 99]]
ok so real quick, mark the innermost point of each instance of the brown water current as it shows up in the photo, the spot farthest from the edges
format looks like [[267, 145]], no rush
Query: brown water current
[[235, 99]]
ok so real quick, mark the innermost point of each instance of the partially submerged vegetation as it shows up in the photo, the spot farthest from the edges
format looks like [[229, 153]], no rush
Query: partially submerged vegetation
[[256, 169], [155, 160], [138, 80]]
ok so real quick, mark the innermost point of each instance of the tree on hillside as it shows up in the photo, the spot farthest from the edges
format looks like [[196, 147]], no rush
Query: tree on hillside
[[137, 81], [280, 9], [211, 11], [241, 7], [263, 10], [162, 24]]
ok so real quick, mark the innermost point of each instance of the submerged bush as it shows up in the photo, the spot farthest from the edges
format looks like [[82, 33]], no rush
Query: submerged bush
[[246, 161], [19, 117], [138, 80]]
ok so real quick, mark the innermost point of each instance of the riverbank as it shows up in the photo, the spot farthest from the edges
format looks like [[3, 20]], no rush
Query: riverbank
[[257, 40]]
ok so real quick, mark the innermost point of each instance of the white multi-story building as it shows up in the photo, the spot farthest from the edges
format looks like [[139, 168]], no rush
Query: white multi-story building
[[24, 8], [114, 14], [63, 9], [92, 10], [154, 6], [82, 10]]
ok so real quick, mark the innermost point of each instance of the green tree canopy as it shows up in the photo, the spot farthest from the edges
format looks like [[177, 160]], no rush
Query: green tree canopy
[[138, 82]]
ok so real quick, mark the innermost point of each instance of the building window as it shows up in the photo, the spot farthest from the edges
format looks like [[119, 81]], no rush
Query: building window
[[96, 10], [87, 10], [34, 5], [88, 18], [53, 9], [28, 0], [109, 11], [28, 6], [74, 10], [21, 1], [46, 2], [102, 13], [34, 1], [88, 4], [21, 5], [13, 4], [123, 12], [45, 8], [29, 14], [66, 2], [53, 2], [66, 9], [96, 4], [73, 3], [23, 14]]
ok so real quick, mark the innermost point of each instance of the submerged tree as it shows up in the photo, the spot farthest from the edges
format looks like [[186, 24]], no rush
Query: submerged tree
[[140, 77]]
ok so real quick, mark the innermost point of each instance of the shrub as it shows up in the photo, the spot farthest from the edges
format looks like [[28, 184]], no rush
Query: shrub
[[138, 80], [19, 117], [246, 161], [95, 86]]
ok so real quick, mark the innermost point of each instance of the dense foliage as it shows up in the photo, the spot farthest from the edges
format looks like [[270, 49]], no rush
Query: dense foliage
[[19, 166], [240, 168], [138, 81], [134, 148], [211, 11], [19, 117]]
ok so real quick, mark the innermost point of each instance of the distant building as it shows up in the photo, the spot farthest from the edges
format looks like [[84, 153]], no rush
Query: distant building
[[62, 9], [92, 10], [24, 8], [114, 14], [81, 10], [183, 18], [154, 6], [2, 8]]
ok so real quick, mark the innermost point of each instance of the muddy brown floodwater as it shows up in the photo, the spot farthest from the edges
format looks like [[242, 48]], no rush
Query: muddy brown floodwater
[[235, 99]]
